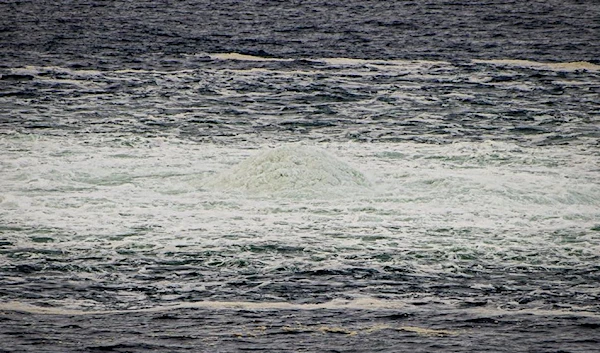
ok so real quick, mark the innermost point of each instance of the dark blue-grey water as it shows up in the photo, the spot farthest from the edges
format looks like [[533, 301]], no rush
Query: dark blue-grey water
[[105, 34], [358, 176]]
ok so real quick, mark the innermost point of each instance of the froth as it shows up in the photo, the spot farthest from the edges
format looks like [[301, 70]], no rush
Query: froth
[[243, 57], [565, 66], [290, 169]]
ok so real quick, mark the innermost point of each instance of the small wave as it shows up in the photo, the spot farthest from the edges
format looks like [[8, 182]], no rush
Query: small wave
[[366, 303], [290, 169], [331, 61], [361, 303], [50, 71]]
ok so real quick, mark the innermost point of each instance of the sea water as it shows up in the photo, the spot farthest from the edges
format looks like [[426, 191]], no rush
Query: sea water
[[224, 201]]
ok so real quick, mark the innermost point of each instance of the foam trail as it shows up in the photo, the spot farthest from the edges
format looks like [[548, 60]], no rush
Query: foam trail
[[564, 66], [371, 304]]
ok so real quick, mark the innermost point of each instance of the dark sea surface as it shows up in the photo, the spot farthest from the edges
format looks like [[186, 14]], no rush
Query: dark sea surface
[[118, 34], [357, 176]]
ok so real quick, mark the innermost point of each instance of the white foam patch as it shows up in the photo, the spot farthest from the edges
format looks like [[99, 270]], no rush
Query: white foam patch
[[382, 64], [291, 169], [424, 207], [564, 66], [109, 187], [243, 57]]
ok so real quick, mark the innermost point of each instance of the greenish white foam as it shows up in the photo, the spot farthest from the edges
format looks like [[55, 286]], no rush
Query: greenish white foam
[[292, 170]]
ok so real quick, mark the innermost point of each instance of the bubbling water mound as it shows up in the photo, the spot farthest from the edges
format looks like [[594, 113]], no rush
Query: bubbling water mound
[[291, 169]]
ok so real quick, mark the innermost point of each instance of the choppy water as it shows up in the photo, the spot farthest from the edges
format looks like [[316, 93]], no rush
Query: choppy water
[[194, 197]]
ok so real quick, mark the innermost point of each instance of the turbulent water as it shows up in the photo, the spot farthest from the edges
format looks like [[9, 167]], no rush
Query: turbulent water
[[299, 176]]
